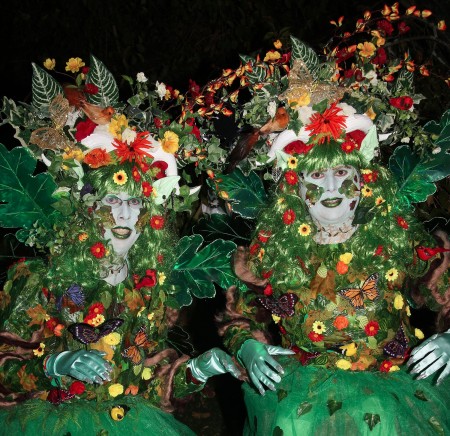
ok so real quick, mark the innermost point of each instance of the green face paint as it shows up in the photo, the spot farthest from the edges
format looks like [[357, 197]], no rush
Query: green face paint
[[348, 188], [313, 192]]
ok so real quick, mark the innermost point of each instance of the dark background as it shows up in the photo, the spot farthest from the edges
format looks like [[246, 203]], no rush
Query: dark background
[[174, 41]]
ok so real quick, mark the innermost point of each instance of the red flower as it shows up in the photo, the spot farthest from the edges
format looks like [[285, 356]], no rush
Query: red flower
[[385, 26], [289, 217], [341, 268], [158, 122], [195, 130], [147, 189], [157, 222], [282, 329], [385, 366], [161, 166], [96, 308], [356, 137], [52, 323], [326, 125], [98, 250], [402, 223], [90, 88], [160, 258], [297, 147], [77, 388], [254, 249], [380, 58], [370, 177], [403, 103], [371, 328], [194, 88], [315, 337], [84, 128], [85, 70], [267, 274], [348, 146], [135, 151], [403, 28], [268, 291], [58, 396], [379, 250], [264, 235], [148, 281], [291, 177], [136, 175]]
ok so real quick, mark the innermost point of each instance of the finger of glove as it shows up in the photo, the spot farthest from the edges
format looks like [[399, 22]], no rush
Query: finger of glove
[[255, 380], [268, 359], [228, 365], [267, 371], [93, 374], [262, 377], [275, 350], [425, 362], [96, 362], [421, 353], [439, 363], [443, 374]]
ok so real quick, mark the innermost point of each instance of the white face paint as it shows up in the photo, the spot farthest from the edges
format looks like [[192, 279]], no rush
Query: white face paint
[[125, 211], [332, 194]]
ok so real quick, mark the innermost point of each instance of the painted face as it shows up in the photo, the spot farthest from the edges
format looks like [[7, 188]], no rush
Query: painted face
[[332, 194], [125, 211]]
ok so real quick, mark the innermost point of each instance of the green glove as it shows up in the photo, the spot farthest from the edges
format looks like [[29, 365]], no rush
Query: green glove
[[432, 355], [213, 362], [88, 366], [257, 359]]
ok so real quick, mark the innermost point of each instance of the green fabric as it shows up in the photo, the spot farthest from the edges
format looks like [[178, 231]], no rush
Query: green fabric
[[312, 400], [89, 418]]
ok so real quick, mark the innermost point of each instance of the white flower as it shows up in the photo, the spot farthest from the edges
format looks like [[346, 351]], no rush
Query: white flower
[[372, 76], [347, 109], [129, 135], [272, 109], [140, 77], [305, 113], [436, 150], [405, 140], [161, 90]]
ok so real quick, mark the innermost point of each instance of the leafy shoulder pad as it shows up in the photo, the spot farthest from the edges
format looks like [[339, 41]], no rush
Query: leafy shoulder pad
[[197, 269], [44, 87], [100, 76], [26, 197], [369, 144], [301, 51]]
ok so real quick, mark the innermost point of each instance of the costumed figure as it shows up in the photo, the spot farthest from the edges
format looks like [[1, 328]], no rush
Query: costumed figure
[[89, 341], [336, 263]]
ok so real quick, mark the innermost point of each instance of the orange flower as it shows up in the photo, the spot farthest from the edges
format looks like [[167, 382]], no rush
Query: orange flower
[[327, 124], [135, 151], [341, 322], [97, 158], [132, 389], [341, 267], [366, 49]]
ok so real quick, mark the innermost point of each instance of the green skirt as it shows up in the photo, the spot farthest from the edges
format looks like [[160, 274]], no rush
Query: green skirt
[[317, 401], [80, 417]]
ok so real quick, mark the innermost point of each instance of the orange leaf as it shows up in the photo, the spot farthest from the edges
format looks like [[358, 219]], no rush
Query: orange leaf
[[386, 10], [441, 25], [37, 314], [426, 13], [133, 299], [411, 10], [28, 381], [324, 286]]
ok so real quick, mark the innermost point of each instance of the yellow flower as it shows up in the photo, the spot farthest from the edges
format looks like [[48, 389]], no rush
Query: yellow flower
[[366, 191], [115, 389], [161, 278], [120, 178], [343, 364], [365, 171], [112, 339], [319, 327], [280, 200], [398, 302], [388, 209], [272, 55], [366, 49], [261, 253], [304, 230], [391, 275], [371, 113], [292, 162], [117, 125], [50, 64], [418, 334], [99, 319], [346, 258], [379, 200], [408, 311], [170, 142], [74, 64], [146, 374], [40, 350], [277, 44], [394, 368], [150, 316], [276, 318], [301, 101], [74, 153], [140, 311], [82, 237]]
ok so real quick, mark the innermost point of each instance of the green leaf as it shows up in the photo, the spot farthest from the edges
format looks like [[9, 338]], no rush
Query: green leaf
[[281, 394], [420, 395], [223, 226], [257, 75], [363, 215], [44, 87], [306, 54], [333, 406], [436, 426], [369, 144], [27, 198], [164, 188], [277, 431], [372, 420], [304, 408], [196, 270], [99, 75]]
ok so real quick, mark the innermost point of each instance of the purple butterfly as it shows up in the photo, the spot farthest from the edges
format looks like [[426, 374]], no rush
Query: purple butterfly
[[88, 334], [75, 293], [398, 346], [283, 306]]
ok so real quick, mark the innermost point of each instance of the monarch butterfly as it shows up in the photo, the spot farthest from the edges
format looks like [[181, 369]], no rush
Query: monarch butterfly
[[133, 353], [368, 290]]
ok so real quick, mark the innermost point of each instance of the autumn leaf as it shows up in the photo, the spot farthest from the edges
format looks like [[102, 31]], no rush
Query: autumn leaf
[[133, 299], [28, 381], [324, 286], [37, 314]]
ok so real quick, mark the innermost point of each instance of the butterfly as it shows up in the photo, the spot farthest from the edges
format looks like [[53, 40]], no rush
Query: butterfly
[[133, 353], [368, 290], [398, 346], [88, 334], [75, 293], [283, 306]]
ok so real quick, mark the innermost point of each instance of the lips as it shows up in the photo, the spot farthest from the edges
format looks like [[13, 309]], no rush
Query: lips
[[121, 232], [331, 202]]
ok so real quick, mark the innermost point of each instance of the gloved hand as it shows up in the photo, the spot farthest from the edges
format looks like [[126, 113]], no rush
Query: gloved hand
[[256, 358], [84, 365], [431, 355], [213, 362]]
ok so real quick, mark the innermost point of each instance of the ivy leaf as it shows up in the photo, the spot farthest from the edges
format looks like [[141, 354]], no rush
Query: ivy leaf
[[369, 144], [281, 394], [372, 420], [420, 395], [164, 188], [100, 76], [44, 87], [436, 426], [304, 408], [306, 54], [333, 406], [26, 197], [196, 270], [223, 226]]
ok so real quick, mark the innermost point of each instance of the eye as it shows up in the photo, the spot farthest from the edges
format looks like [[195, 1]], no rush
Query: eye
[[135, 202], [112, 200], [341, 173], [316, 175]]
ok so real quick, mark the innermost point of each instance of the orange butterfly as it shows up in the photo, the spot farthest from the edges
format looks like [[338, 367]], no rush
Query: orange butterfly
[[133, 353], [368, 290]]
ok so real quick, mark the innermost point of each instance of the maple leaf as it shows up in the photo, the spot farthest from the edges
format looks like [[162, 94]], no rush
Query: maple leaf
[[324, 286], [133, 299], [28, 381], [37, 314]]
